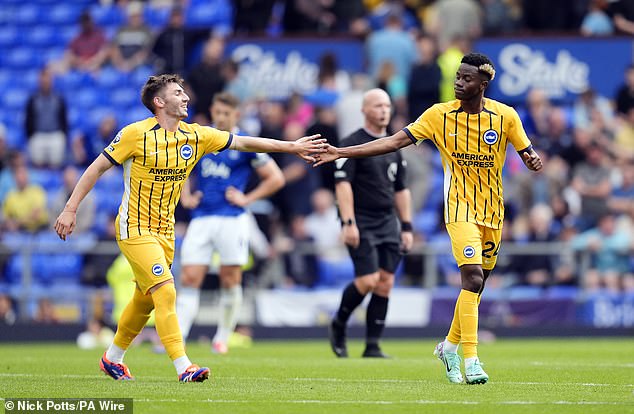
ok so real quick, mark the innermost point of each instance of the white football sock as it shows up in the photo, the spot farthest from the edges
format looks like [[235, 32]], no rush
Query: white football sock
[[181, 364], [187, 304], [115, 354], [230, 304], [450, 346]]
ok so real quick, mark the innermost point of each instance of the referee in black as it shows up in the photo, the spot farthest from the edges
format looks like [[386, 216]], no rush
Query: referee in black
[[372, 197]]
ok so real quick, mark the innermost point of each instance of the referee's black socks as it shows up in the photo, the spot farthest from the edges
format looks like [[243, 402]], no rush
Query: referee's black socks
[[375, 319], [350, 299]]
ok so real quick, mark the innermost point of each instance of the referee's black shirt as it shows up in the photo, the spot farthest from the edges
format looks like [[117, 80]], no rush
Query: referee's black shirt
[[374, 180]]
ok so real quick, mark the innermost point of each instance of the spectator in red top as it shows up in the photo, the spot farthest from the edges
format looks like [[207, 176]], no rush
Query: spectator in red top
[[88, 51]]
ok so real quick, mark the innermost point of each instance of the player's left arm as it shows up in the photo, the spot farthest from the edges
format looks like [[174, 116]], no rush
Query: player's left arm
[[271, 180], [305, 147], [522, 144]]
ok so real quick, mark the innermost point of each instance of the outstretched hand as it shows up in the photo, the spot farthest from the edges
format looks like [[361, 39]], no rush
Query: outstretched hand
[[65, 224], [330, 154], [307, 147], [532, 161]]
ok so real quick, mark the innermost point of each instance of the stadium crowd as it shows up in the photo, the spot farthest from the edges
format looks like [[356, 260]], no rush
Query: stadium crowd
[[583, 200]]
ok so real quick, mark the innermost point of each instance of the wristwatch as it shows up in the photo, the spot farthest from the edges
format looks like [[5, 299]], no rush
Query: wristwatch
[[348, 222]]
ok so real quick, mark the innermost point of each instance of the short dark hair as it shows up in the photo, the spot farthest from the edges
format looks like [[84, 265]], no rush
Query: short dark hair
[[154, 86], [481, 62], [227, 99]]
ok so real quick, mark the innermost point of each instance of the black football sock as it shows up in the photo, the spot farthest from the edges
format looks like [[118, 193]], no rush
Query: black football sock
[[375, 320], [350, 299]]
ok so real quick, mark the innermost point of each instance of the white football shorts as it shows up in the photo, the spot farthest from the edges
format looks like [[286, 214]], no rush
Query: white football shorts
[[226, 235]]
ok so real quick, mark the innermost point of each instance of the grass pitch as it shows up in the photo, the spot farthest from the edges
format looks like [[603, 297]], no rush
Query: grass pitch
[[304, 377]]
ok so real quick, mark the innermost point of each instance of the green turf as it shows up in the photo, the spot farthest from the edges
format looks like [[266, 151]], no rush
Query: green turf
[[527, 376]]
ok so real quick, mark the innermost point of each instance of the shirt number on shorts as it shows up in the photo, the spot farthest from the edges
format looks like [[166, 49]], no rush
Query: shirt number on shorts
[[490, 247]]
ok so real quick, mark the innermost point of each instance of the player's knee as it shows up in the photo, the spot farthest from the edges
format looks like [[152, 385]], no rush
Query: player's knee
[[384, 286], [472, 278], [367, 283], [191, 278]]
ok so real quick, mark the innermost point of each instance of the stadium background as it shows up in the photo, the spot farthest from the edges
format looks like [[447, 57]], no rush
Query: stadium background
[[304, 69]]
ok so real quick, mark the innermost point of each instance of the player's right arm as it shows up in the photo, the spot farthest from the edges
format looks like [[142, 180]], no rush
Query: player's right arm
[[375, 147], [65, 223], [345, 200]]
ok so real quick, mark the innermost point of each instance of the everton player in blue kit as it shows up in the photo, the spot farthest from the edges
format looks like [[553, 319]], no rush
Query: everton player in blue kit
[[220, 223]]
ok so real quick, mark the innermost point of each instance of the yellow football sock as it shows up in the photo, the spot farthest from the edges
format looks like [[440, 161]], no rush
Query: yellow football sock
[[454, 331], [468, 312], [133, 319], [166, 321]]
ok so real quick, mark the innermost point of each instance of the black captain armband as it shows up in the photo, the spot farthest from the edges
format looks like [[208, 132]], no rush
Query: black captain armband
[[406, 226], [526, 150]]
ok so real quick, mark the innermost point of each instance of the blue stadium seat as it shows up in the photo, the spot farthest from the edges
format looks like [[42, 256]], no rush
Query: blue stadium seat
[[155, 17], [140, 75], [14, 98], [86, 98], [109, 78], [334, 274], [28, 14], [135, 114], [22, 58], [9, 35], [64, 13], [124, 97], [42, 35], [209, 14], [107, 15], [47, 178]]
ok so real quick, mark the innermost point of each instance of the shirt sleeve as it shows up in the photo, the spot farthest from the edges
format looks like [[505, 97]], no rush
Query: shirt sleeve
[[516, 133], [422, 128], [344, 169], [400, 183], [122, 146], [215, 140], [259, 159]]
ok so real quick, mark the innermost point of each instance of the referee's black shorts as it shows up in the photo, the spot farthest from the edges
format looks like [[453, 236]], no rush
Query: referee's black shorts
[[379, 246]]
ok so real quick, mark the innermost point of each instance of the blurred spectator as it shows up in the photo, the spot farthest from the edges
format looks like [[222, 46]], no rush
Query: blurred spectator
[[298, 110], [349, 121], [391, 44], [538, 107], [557, 137], [46, 123], [326, 125], [132, 43], [608, 245], [14, 159], [308, 16], [97, 263], [175, 42], [449, 61], [395, 86], [25, 207], [424, 81], [324, 227], [234, 84], [588, 106], [624, 139], [457, 19], [273, 116], [301, 180], [7, 310], [45, 312], [622, 13], [6, 176], [621, 200], [538, 270], [597, 22], [591, 181], [501, 16], [350, 16], [205, 79], [625, 95], [87, 146], [252, 17], [88, 51], [86, 212], [548, 15], [96, 335], [576, 153], [300, 259], [330, 77]]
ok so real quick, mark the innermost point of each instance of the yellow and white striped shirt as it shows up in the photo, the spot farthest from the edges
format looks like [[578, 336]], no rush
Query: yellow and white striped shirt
[[156, 164]]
